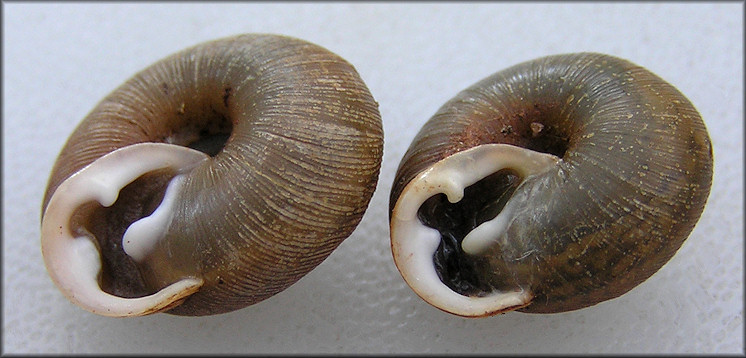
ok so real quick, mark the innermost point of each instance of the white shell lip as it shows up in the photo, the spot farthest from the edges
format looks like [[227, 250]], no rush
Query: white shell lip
[[74, 263], [413, 244]]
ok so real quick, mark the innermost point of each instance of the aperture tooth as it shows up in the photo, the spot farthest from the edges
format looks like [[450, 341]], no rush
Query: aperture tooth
[[488, 233], [74, 263], [415, 243], [143, 234]]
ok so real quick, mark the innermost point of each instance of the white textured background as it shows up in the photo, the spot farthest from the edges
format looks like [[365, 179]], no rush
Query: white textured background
[[59, 60]]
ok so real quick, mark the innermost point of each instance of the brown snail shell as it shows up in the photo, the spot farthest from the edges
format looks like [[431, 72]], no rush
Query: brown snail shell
[[276, 144], [549, 186]]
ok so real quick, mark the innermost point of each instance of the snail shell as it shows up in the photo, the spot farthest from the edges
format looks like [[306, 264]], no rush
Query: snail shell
[[550, 186], [213, 179]]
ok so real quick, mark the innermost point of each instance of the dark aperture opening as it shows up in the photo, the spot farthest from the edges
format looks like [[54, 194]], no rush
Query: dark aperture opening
[[482, 202], [120, 275]]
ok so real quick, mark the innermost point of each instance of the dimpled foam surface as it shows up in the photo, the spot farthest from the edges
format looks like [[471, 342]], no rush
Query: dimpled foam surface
[[59, 60]]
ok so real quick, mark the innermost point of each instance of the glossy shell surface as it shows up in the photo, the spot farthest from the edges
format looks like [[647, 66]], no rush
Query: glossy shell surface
[[632, 175]]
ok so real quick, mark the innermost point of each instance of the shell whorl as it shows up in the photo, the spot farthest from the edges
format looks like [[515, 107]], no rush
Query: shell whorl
[[302, 146], [632, 177]]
